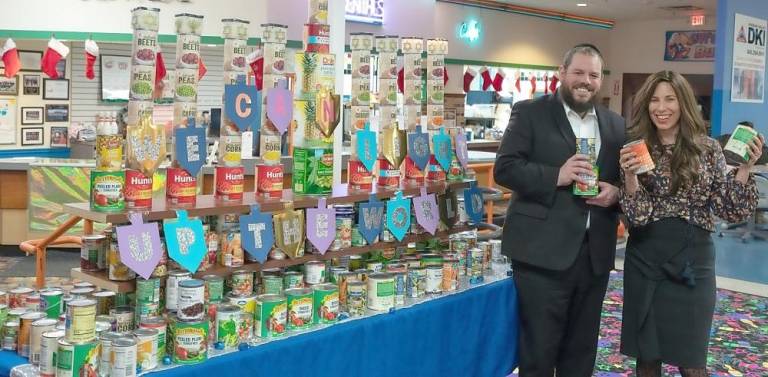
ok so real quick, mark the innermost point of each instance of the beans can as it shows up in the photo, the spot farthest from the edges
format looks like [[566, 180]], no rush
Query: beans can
[[231, 248], [11, 335], [356, 298], [77, 359], [475, 265], [300, 308], [107, 191], [25, 332], [228, 322], [325, 303], [293, 279], [269, 180], [450, 274], [246, 303], [381, 291], [272, 282], [190, 341], [414, 287], [172, 288], [81, 321], [359, 177], [50, 302], [105, 301], [191, 300], [124, 316], [147, 298], [271, 316], [181, 187], [241, 283], [314, 272], [109, 152], [138, 190], [389, 175], [123, 357], [146, 348], [158, 324], [214, 288], [48, 346], [18, 297], [229, 183]]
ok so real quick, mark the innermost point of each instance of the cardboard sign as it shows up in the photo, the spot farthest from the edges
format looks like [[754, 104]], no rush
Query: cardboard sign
[[370, 220], [289, 231], [191, 148], [242, 104], [399, 216], [473, 203], [185, 240], [449, 208], [257, 233], [139, 245], [280, 108], [328, 112], [366, 147], [393, 145], [145, 147], [461, 149], [426, 209], [442, 145], [418, 148], [321, 226]]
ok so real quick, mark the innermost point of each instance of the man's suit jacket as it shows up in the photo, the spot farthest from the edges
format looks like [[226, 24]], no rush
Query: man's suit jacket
[[545, 224]]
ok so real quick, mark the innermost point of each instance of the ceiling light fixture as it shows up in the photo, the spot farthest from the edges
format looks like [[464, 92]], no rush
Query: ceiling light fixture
[[581, 4]]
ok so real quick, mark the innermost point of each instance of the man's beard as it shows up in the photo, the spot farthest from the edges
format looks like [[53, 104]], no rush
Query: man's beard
[[567, 95]]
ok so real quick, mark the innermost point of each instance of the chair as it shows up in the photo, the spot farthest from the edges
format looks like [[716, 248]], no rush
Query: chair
[[750, 230]]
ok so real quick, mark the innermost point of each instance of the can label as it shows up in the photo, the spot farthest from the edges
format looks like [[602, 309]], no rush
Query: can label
[[230, 150], [293, 280], [123, 319], [412, 172], [234, 54], [117, 270], [381, 293], [586, 146], [181, 187], [314, 272], [247, 304], [123, 361], [272, 284], [415, 283], [450, 274], [389, 175], [74, 360], [190, 342], [187, 51], [326, 304], [299, 310], [160, 326], [242, 283], [270, 318], [186, 85], [270, 148], [172, 289], [359, 177], [229, 183], [138, 190], [145, 48], [142, 82], [228, 324], [48, 346], [182, 111], [146, 351], [89, 253], [191, 300], [107, 191], [269, 180], [274, 58], [80, 322], [214, 289], [313, 170], [640, 149], [434, 282], [109, 152], [400, 283], [147, 298], [318, 11]]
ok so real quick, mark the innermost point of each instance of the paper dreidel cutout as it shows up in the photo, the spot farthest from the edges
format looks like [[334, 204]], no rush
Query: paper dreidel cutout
[[257, 233], [366, 147], [185, 241], [280, 108], [145, 146], [473, 203], [139, 245], [328, 112], [393, 145], [321, 226], [370, 220], [427, 213], [418, 148], [461, 149], [442, 145], [191, 149], [449, 208], [242, 105], [289, 230], [399, 215]]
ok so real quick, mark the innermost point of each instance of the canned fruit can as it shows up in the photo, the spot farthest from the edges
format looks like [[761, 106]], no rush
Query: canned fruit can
[[142, 82], [228, 321], [191, 300], [314, 272], [214, 288], [81, 321], [105, 301], [313, 170], [138, 190], [381, 291], [107, 191], [325, 303], [231, 249], [640, 149], [359, 177], [172, 287], [124, 316], [25, 332], [269, 180], [51, 303], [187, 51], [229, 183], [415, 283], [109, 152], [434, 281], [77, 359], [271, 316], [189, 340], [144, 48], [123, 357], [389, 175], [158, 324], [48, 348], [146, 348], [293, 279], [241, 283], [181, 187], [300, 308]]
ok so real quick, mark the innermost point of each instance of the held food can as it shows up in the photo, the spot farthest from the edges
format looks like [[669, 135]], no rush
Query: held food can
[[48, 346], [434, 281], [138, 190], [381, 291], [18, 297], [640, 149], [107, 191], [51, 303], [106, 339], [229, 183], [356, 298], [228, 318], [586, 146], [325, 303], [299, 308], [25, 332], [105, 301], [39, 327], [80, 322], [123, 357], [146, 348], [414, 287], [109, 152], [738, 143], [191, 300], [172, 288], [271, 316], [181, 187], [214, 288], [158, 324], [269, 181], [77, 359], [450, 274], [241, 282], [189, 341], [293, 279], [123, 318], [314, 271], [11, 335]]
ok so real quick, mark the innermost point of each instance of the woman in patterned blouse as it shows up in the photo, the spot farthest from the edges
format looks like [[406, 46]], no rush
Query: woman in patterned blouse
[[669, 278]]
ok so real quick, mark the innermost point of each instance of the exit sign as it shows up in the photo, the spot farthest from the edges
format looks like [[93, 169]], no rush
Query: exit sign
[[366, 11], [697, 20]]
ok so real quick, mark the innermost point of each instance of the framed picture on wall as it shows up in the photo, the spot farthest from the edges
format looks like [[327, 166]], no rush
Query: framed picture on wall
[[30, 60], [56, 89], [32, 136], [31, 115], [31, 85], [56, 113], [59, 137], [9, 86]]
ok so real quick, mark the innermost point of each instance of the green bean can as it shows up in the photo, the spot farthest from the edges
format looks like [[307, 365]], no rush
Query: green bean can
[[325, 303], [271, 316], [299, 308], [77, 359]]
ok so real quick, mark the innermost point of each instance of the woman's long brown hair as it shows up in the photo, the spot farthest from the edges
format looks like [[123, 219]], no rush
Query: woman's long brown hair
[[687, 150]]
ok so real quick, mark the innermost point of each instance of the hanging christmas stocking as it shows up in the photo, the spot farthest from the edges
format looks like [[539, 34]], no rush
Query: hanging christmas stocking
[[553, 83], [546, 85], [517, 82], [256, 61], [401, 80], [53, 54], [469, 75], [486, 75], [201, 69], [533, 84], [91, 53], [160, 71], [10, 58], [445, 77], [498, 80]]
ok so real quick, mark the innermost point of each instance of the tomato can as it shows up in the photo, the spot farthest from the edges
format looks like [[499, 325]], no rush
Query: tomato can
[[146, 348], [381, 291], [640, 149], [138, 190], [325, 303], [293, 279], [412, 172], [107, 191], [190, 341], [359, 177], [317, 36], [269, 180], [389, 175], [172, 287], [109, 152], [77, 359], [214, 288], [300, 308], [229, 183], [181, 187], [48, 344], [25, 332], [105, 301], [81, 320], [314, 272], [241, 283], [271, 316], [18, 297], [123, 357], [191, 300]]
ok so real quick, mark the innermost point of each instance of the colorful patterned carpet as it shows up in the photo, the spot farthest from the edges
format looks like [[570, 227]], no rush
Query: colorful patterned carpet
[[738, 345]]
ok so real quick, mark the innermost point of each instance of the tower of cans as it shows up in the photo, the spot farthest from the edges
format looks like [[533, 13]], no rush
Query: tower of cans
[[387, 47], [412, 49], [145, 23], [235, 33], [361, 45], [434, 69]]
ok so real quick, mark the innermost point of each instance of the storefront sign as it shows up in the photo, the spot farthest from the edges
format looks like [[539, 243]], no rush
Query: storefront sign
[[748, 77], [366, 11]]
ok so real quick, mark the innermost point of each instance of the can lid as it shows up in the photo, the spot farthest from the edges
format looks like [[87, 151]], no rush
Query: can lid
[[213, 278], [227, 308], [33, 315], [361, 33], [54, 334], [104, 294], [175, 273], [152, 321], [145, 8], [94, 237], [235, 20], [82, 302], [51, 292], [271, 297], [18, 311], [380, 276], [298, 291], [324, 287], [355, 283], [291, 273], [241, 272], [19, 290], [82, 291], [191, 283], [274, 25], [124, 342], [45, 322], [188, 15], [12, 324], [102, 326], [145, 332], [83, 284]]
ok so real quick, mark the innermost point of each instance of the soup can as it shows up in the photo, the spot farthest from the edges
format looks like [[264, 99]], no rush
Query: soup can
[[146, 348], [33, 302], [191, 300], [77, 359], [123, 357], [300, 308], [117, 270], [326, 303], [92, 246], [475, 265], [271, 315], [359, 177], [246, 303], [48, 346], [381, 291]]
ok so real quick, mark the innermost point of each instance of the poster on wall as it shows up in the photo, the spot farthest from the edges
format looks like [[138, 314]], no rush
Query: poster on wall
[[748, 78], [115, 77], [7, 121], [690, 46]]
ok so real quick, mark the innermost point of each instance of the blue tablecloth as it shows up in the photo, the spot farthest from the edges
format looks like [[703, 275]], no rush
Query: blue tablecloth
[[472, 333]]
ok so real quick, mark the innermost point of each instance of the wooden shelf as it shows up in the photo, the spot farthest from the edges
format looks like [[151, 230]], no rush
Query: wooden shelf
[[100, 280], [207, 205]]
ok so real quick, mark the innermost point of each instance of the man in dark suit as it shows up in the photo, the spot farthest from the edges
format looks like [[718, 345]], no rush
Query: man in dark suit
[[562, 245]]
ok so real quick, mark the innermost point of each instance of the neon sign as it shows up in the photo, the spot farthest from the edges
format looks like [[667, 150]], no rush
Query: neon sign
[[470, 31], [366, 11]]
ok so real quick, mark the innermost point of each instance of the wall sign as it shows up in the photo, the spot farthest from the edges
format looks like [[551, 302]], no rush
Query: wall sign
[[690, 46], [469, 31], [366, 11], [748, 77]]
